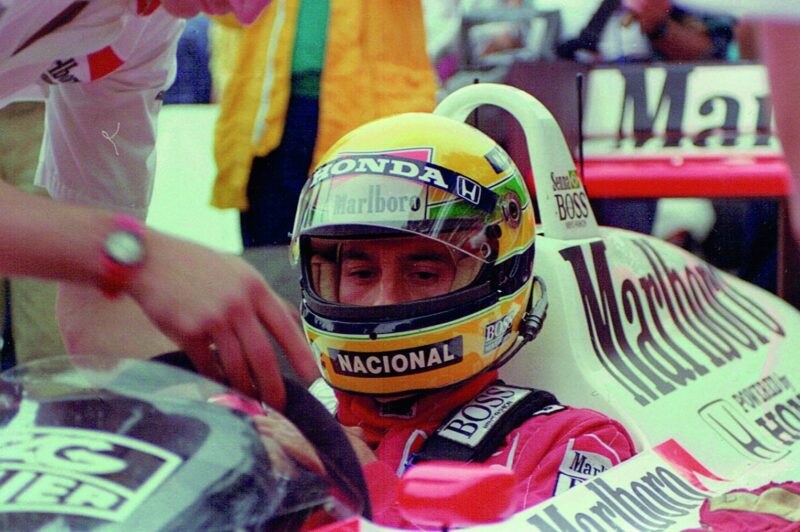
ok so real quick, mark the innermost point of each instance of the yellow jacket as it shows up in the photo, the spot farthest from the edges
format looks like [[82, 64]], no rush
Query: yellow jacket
[[375, 65]]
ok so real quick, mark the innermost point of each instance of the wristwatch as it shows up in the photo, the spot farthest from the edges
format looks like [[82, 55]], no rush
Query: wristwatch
[[122, 254]]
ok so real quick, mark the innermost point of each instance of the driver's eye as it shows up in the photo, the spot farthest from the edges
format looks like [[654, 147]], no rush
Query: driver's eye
[[359, 272], [362, 274], [425, 275]]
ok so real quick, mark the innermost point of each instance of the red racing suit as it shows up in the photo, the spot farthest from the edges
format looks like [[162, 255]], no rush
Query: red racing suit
[[550, 452]]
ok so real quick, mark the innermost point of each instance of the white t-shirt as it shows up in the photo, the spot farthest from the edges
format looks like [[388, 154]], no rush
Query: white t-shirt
[[102, 66]]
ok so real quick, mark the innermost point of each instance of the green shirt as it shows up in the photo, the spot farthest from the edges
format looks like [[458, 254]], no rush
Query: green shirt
[[309, 46]]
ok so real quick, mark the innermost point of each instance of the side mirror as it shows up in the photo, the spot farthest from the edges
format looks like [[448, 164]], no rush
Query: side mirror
[[455, 494]]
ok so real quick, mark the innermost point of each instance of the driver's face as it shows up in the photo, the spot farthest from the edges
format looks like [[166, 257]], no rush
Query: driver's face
[[394, 270]]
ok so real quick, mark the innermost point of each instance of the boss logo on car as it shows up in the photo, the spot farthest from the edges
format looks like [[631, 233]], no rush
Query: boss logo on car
[[571, 201]]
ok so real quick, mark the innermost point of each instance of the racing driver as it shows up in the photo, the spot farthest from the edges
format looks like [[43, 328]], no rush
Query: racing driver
[[415, 237]]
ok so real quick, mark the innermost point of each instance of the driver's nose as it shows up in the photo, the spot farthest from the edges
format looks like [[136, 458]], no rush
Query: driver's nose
[[390, 290]]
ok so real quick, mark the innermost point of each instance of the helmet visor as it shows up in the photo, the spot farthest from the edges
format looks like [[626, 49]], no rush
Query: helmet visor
[[386, 271], [369, 195]]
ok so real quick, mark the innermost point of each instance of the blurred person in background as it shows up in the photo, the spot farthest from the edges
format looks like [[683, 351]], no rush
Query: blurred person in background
[[305, 73], [193, 78], [103, 68], [621, 31], [643, 30]]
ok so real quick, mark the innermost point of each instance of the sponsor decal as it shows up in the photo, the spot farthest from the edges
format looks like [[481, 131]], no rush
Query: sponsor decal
[[79, 472], [61, 72], [762, 392], [475, 419], [654, 501], [711, 322], [658, 489], [565, 182], [497, 332], [499, 160], [681, 106], [395, 363], [578, 466], [761, 421], [415, 170], [571, 200], [375, 202], [468, 189]]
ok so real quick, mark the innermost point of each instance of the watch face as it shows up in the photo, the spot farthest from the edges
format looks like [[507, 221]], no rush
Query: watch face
[[125, 248]]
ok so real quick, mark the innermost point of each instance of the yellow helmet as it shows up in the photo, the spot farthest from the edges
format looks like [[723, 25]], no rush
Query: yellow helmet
[[410, 179]]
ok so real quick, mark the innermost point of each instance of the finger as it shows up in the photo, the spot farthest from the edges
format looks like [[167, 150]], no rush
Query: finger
[[292, 311], [358, 432], [262, 362], [275, 316], [203, 359], [291, 441], [232, 360]]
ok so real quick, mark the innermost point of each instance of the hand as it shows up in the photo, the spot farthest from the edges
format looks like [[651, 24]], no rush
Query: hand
[[275, 428], [363, 452], [649, 13], [202, 299]]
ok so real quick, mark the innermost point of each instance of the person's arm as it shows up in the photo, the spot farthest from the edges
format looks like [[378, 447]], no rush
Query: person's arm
[[549, 445], [675, 40], [197, 297]]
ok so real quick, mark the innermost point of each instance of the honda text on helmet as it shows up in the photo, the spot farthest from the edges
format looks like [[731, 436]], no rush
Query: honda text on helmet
[[415, 236]]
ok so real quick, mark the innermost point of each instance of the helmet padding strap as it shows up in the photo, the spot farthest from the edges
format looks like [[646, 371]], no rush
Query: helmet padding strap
[[325, 276]]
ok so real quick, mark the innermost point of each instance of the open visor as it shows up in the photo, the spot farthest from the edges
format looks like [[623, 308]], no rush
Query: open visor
[[365, 196]]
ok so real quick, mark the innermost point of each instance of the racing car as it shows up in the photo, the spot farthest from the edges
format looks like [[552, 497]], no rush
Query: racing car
[[700, 366]]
